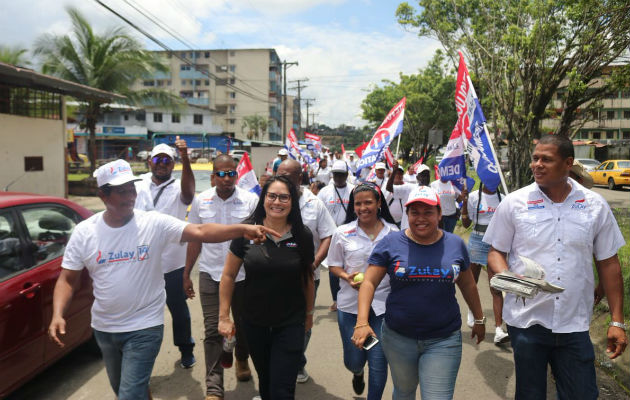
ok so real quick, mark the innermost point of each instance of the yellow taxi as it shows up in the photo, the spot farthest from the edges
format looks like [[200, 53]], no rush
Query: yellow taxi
[[202, 172], [613, 173]]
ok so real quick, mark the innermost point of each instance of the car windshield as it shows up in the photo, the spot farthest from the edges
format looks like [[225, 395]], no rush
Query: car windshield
[[587, 161], [623, 164], [202, 179]]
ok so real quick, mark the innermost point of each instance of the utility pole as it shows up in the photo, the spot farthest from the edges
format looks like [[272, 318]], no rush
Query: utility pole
[[285, 65], [309, 102], [299, 88]]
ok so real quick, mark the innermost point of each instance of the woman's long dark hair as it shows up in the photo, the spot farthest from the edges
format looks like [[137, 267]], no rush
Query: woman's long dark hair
[[383, 212], [300, 232], [498, 192]]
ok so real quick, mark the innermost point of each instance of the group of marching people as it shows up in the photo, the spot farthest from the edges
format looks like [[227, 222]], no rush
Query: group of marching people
[[386, 240]]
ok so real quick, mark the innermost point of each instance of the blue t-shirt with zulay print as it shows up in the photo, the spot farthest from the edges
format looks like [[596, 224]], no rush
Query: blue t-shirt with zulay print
[[422, 302]]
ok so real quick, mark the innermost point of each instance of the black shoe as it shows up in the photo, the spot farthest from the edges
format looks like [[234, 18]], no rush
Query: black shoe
[[358, 384]]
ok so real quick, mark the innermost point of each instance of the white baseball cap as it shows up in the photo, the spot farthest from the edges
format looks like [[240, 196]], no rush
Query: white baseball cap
[[423, 194], [163, 148], [421, 168], [380, 165], [115, 173], [283, 152], [340, 166]]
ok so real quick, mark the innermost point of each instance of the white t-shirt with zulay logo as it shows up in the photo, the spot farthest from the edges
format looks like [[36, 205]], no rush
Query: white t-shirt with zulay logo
[[125, 265]]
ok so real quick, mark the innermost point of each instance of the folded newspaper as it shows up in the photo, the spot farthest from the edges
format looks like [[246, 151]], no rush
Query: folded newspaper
[[527, 285]]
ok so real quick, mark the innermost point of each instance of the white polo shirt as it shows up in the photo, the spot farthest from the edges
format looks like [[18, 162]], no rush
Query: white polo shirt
[[350, 248], [317, 218], [448, 196], [170, 203], [563, 238], [125, 265], [409, 178], [208, 207], [323, 174], [336, 201]]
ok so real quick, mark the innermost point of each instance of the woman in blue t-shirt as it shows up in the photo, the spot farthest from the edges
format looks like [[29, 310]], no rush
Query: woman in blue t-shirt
[[421, 334]]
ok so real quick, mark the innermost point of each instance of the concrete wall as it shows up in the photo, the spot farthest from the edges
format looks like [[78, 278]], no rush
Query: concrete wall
[[32, 137]]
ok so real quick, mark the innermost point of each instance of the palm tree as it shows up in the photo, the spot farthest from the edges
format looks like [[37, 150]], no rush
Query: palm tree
[[14, 56], [113, 62], [255, 124]]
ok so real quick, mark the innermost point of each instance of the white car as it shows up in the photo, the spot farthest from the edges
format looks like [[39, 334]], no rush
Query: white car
[[237, 154], [589, 163]]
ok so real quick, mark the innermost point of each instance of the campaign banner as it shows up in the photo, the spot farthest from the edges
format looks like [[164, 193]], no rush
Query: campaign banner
[[313, 142], [471, 124], [246, 176], [292, 146], [359, 149], [391, 127], [389, 157]]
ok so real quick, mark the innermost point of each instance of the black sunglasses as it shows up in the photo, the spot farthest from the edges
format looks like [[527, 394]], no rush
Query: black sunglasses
[[231, 173], [164, 160]]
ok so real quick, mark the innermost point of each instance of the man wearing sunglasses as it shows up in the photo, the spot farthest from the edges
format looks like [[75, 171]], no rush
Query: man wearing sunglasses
[[172, 196], [224, 203]]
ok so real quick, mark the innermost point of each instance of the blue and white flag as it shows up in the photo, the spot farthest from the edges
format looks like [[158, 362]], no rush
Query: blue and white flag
[[391, 127], [246, 176]]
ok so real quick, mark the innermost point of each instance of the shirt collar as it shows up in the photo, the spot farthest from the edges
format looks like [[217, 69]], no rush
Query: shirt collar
[[576, 189]]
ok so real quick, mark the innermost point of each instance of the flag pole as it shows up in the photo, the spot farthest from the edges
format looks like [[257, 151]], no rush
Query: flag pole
[[494, 153], [398, 145]]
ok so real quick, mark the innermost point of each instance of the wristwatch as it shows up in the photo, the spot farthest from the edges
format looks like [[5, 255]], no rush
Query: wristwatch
[[481, 321], [619, 325]]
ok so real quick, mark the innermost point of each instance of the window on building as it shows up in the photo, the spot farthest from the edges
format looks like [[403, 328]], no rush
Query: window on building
[[183, 54], [197, 54], [612, 95], [595, 114], [232, 95], [184, 67], [175, 118], [126, 117], [232, 68], [207, 82], [626, 134], [192, 54], [610, 115], [149, 83], [207, 54], [232, 108], [626, 114], [186, 94], [232, 53], [232, 121], [232, 81], [597, 135], [221, 68], [198, 119], [157, 117], [160, 83], [183, 82], [625, 94], [198, 82], [610, 135], [168, 83]]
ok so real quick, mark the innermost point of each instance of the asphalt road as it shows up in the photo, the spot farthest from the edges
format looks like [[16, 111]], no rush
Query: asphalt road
[[616, 198], [486, 371]]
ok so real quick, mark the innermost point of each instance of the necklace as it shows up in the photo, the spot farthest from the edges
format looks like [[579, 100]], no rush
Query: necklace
[[377, 227], [410, 236]]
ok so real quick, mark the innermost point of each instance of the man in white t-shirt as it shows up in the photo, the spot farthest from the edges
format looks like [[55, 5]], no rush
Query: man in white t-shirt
[[352, 164], [336, 196], [225, 203], [380, 169], [450, 195], [322, 226], [172, 197], [122, 250], [561, 225]]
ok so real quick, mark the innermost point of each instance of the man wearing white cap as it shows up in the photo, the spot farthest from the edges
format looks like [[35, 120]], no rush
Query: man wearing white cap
[[380, 170], [122, 251], [282, 155], [172, 197], [400, 192], [336, 196]]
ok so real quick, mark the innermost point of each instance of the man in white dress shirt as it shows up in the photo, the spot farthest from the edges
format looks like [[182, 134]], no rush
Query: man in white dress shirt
[[561, 225]]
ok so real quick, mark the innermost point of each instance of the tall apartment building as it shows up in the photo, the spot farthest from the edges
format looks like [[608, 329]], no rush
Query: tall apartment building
[[292, 117], [608, 124], [232, 84]]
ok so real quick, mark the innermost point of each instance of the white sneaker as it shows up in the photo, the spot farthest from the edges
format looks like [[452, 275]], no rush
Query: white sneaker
[[471, 319], [500, 336], [256, 398], [302, 376]]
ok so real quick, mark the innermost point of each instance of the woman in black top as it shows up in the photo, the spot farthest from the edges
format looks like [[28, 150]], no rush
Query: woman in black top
[[279, 289]]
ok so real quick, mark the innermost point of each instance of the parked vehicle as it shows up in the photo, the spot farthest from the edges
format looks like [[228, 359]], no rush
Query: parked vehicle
[[34, 231], [589, 163], [613, 173], [202, 173], [237, 154]]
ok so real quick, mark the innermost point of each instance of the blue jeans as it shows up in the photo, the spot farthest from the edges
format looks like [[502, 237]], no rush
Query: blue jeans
[[432, 362], [354, 359], [572, 360], [276, 355], [176, 303], [449, 222], [129, 359]]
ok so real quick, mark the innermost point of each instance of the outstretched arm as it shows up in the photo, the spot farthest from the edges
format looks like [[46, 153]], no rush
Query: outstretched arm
[[216, 233]]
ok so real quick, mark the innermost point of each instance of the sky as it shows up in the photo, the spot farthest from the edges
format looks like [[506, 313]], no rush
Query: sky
[[343, 47]]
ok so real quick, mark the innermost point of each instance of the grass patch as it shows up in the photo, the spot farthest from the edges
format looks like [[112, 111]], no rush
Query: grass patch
[[77, 177]]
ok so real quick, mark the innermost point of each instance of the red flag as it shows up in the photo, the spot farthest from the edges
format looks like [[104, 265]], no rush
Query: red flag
[[389, 157], [343, 150], [359, 150], [437, 174], [414, 168]]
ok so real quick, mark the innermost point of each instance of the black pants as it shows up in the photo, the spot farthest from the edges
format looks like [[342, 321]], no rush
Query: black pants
[[276, 354]]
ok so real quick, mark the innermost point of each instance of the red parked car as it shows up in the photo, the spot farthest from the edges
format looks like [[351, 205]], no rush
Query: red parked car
[[34, 231]]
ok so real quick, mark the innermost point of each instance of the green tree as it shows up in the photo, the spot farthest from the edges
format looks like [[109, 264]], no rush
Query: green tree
[[14, 56], [521, 52], [113, 61], [256, 125], [430, 103]]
